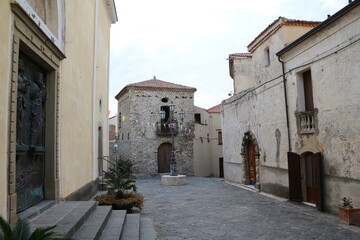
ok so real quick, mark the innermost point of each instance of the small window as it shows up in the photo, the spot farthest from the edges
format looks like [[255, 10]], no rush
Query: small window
[[267, 56], [220, 138], [165, 100], [119, 120], [197, 118]]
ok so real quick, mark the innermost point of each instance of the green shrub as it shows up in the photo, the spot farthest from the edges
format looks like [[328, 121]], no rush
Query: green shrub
[[22, 231]]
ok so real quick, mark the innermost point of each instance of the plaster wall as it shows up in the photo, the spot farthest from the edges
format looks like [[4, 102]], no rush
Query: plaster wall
[[216, 147], [102, 75], [202, 162], [207, 150], [77, 97], [259, 109], [242, 74], [138, 141], [5, 43], [332, 55]]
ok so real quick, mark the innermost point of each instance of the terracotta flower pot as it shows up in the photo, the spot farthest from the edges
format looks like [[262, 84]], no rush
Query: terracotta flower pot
[[350, 216]]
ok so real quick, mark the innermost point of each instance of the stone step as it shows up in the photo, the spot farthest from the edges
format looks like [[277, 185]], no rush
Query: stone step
[[131, 229], [114, 226], [36, 210], [67, 216], [94, 225], [147, 230]]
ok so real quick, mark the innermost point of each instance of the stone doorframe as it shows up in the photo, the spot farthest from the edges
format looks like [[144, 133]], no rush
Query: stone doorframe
[[249, 136], [29, 39]]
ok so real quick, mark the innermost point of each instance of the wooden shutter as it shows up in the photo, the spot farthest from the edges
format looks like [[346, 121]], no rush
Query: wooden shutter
[[318, 181], [295, 192]]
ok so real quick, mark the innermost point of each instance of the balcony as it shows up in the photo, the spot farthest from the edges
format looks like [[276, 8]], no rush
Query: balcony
[[306, 122], [165, 130]]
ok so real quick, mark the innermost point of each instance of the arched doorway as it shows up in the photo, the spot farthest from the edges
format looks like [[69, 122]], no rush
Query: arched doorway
[[163, 157], [250, 159]]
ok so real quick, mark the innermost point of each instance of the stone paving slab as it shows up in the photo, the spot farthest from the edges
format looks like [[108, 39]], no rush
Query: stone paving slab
[[210, 209]]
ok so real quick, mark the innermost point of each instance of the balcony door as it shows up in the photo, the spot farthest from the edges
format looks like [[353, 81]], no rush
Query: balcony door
[[308, 91]]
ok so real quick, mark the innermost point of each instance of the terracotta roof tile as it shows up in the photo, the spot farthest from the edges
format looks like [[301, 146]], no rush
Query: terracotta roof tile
[[246, 55], [156, 85], [276, 25], [215, 109]]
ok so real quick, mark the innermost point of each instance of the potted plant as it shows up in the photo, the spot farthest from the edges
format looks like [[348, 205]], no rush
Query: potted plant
[[347, 213], [122, 194]]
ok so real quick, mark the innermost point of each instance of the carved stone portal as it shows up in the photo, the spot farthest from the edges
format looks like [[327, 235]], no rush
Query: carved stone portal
[[30, 144]]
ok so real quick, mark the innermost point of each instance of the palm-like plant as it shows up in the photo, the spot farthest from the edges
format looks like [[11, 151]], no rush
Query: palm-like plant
[[119, 184], [22, 231]]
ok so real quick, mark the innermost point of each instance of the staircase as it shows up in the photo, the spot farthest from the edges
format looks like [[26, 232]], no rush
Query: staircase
[[85, 220]]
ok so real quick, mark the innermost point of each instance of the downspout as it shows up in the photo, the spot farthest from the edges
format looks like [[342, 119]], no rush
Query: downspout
[[95, 159], [286, 102]]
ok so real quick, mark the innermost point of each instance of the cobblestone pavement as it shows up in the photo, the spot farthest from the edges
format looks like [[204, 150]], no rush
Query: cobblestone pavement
[[208, 208]]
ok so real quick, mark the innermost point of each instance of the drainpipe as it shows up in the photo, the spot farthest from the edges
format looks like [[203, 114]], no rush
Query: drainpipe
[[286, 102]]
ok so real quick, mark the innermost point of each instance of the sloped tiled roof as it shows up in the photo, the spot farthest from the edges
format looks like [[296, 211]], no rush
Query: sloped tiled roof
[[245, 55], [215, 109], [330, 20], [155, 85], [275, 26]]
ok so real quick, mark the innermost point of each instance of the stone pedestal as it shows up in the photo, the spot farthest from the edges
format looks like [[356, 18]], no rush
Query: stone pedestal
[[173, 180]]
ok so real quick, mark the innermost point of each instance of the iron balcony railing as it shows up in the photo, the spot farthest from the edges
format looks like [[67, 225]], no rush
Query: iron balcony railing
[[163, 129]]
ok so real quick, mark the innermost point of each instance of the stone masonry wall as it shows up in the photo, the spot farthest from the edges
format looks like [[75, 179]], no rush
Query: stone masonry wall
[[138, 141]]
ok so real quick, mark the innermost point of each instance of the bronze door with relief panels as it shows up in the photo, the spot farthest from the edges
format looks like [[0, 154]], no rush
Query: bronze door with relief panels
[[30, 140]]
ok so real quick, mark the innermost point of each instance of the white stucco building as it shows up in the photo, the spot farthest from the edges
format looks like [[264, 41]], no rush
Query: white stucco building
[[292, 128], [208, 156]]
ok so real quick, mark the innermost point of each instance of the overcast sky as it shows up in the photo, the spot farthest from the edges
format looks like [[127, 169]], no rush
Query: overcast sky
[[187, 42]]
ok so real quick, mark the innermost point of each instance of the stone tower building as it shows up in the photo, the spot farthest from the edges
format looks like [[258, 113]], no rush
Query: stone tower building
[[144, 138]]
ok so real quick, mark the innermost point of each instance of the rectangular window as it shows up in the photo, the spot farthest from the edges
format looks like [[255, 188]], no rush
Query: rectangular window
[[197, 118], [267, 56], [119, 121], [220, 138]]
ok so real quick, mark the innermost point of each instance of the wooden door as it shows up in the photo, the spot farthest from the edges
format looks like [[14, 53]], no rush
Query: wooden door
[[221, 167], [314, 179], [294, 171], [163, 158], [310, 178], [251, 162]]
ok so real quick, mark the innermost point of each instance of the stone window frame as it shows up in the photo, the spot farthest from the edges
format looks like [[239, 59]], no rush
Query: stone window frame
[[28, 38], [249, 136]]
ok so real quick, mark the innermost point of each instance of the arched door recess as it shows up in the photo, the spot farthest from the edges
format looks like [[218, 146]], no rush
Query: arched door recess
[[250, 160]]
